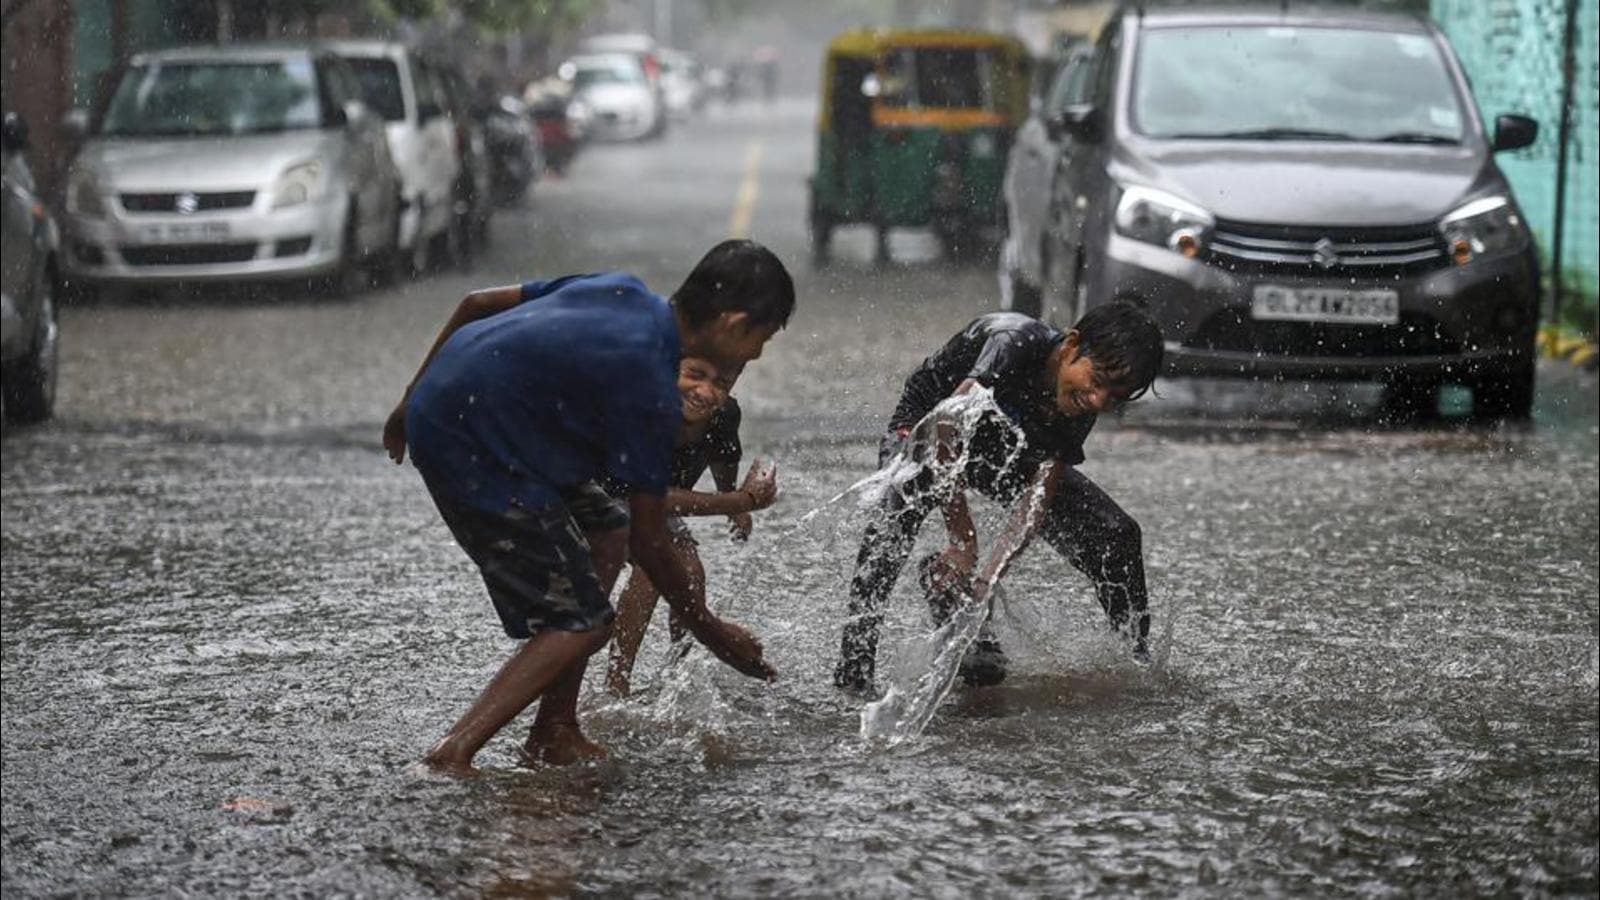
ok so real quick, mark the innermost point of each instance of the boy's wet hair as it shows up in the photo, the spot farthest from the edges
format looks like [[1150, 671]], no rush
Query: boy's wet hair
[[1124, 342], [737, 276]]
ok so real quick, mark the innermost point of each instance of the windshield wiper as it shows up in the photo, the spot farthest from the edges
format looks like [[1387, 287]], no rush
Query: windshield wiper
[[1271, 134], [1415, 137]]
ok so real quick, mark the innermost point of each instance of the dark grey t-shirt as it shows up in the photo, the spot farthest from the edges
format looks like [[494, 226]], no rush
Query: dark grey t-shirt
[[1005, 352]]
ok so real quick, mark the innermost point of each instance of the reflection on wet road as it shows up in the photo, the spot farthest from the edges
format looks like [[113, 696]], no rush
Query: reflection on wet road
[[230, 625]]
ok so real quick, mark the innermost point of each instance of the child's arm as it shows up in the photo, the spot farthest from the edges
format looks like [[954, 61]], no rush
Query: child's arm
[[725, 473], [477, 305], [961, 556], [1020, 527], [652, 550], [760, 488]]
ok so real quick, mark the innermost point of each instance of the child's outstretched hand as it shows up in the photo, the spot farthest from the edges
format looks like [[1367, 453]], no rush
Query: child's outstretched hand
[[394, 434], [761, 484]]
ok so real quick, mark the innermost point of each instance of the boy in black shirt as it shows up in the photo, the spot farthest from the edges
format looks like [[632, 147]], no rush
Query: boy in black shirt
[[1049, 386], [709, 439]]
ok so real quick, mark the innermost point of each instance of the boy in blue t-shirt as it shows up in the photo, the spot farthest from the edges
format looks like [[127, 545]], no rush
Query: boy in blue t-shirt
[[529, 395]]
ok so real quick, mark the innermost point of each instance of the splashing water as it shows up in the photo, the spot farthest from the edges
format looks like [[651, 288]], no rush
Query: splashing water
[[924, 679]]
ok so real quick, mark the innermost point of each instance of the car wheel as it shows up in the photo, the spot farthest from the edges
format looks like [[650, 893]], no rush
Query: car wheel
[[30, 389], [347, 277], [1505, 392], [388, 265]]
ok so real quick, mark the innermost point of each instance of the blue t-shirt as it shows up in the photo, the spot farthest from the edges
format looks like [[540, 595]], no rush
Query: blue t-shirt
[[578, 383]]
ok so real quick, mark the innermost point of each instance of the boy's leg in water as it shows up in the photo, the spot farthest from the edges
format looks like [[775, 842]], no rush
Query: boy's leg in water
[[635, 608], [884, 547], [1100, 540], [555, 737], [542, 580]]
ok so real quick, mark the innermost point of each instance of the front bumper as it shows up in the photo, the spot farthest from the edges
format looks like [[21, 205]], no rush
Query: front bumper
[[1454, 320], [249, 244]]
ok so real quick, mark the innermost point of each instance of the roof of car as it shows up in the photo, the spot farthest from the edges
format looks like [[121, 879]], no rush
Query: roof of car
[[368, 47], [231, 52], [1306, 14]]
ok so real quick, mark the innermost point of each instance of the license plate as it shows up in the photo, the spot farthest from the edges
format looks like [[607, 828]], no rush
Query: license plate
[[1274, 303], [183, 233]]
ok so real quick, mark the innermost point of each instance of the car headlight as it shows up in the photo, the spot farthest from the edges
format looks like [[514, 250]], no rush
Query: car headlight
[[298, 184], [83, 194], [1159, 218], [1484, 227]]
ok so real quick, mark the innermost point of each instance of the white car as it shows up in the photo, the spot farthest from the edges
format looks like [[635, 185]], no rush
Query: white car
[[622, 102], [422, 139], [249, 162], [681, 83]]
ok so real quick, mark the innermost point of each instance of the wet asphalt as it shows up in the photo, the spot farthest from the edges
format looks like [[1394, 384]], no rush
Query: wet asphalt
[[230, 625]]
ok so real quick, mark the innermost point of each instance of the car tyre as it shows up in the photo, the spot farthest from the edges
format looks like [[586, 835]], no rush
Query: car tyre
[[30, 385], [348, 276]]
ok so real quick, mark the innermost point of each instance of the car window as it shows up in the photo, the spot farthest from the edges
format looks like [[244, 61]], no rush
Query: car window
[[1071, 85], [619, 71], [379, 80], [214, 98], [1269, 82]]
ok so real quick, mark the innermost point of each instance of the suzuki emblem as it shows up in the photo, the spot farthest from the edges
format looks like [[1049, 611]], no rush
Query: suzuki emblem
[[1323, 254], [187, 203]]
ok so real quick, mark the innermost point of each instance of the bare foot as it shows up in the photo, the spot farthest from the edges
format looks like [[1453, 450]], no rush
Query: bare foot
[[560, 744], [443, 764]]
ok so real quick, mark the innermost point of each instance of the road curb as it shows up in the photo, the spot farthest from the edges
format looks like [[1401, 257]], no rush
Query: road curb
[[1567, 345]]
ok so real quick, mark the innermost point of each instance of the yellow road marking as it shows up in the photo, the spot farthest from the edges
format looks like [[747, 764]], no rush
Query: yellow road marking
[[744, 203]]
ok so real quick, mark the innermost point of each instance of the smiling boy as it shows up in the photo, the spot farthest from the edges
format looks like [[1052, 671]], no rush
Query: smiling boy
[[529, 395], [1049, 387]]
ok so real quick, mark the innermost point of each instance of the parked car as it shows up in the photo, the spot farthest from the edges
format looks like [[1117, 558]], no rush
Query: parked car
[[422, 139], [1299, 194], [29, 335], [681, 86], [232, 163], [474, 190], [623, 104]]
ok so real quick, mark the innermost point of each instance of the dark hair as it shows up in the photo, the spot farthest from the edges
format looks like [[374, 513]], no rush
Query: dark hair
[[737, 276], [1124, 341]]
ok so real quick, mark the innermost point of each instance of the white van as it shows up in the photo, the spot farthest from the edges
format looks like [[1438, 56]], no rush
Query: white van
[[422, 139]]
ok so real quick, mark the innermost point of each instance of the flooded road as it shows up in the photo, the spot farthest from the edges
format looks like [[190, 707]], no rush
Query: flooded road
[[230, 626]]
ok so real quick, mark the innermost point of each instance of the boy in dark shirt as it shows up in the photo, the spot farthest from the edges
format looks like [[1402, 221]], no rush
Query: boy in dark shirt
[[528, 395], [1049, 387], [709, 439]]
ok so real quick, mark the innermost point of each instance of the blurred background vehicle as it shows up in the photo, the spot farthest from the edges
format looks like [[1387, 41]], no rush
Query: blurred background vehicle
[[422, 140], [560, 121], [647, 53], [622, 102], [681, 84], [474, 193], [232, 163], [1349, 222], [29, 334], [516, 156]]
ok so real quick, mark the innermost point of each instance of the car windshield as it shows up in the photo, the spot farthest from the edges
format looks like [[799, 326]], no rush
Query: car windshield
[[1282, 83], [939, 77], [380, 86], [214, 98], [589, 75]]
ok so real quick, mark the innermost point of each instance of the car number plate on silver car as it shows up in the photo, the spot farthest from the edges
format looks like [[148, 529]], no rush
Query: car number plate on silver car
[[184, 233], [1275, 303]]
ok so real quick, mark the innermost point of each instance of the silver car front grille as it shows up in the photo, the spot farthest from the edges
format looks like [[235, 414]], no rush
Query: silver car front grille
[[1311, 250], [187, 201]]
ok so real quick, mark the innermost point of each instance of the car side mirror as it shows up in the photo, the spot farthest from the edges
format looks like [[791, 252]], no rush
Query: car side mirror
[[14, 133], [1080, 122], [1513, 132]]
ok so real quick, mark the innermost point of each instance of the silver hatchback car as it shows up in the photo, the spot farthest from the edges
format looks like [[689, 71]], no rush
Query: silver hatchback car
[[236, 163]]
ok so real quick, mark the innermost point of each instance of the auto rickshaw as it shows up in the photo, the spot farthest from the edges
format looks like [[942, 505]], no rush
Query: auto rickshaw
[[913, 133]]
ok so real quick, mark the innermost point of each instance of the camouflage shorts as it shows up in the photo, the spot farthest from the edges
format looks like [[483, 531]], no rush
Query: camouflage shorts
[[536, 562]]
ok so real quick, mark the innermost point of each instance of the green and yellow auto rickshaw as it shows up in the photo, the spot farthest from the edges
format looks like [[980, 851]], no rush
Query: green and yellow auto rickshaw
[[913, 133]]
